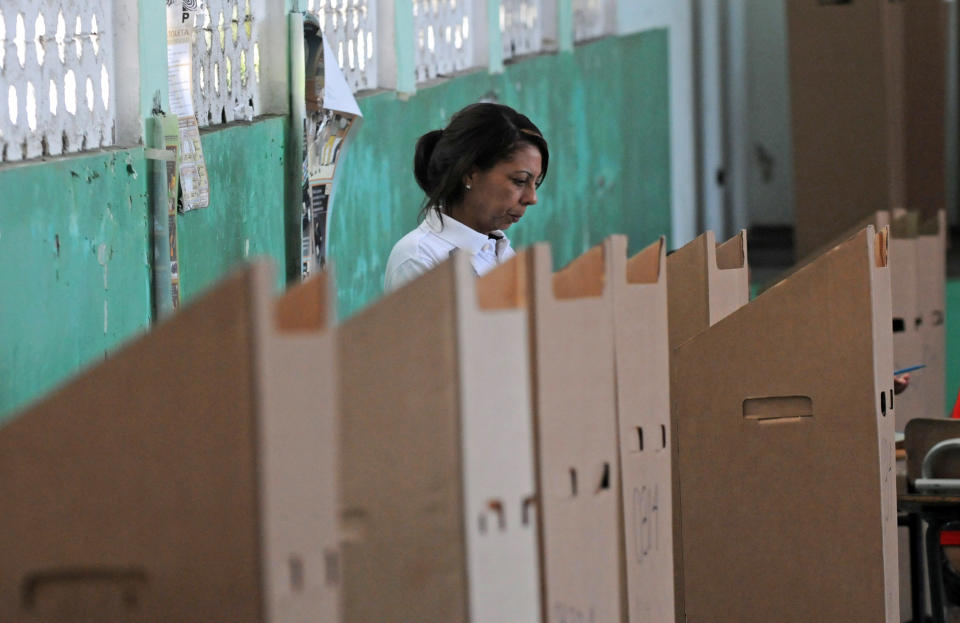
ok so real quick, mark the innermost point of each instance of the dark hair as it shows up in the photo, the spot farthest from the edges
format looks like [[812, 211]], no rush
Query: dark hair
[[480, 135]]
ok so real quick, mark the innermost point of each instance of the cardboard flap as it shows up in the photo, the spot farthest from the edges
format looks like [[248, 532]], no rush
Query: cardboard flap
[[707, 282], [644, 267], [732, 254], [584, 276], [306, 306], [505, 287]]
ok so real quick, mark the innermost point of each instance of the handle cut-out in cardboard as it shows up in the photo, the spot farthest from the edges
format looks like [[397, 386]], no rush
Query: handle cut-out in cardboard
[[769, 408], [128, 581]]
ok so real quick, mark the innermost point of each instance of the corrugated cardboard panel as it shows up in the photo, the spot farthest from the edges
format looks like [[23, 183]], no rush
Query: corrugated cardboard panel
[[931, 293], [133, 493], [925, 90], [907, 318], [643, 417], [707, 282], [296, 390], [437, 430], [575, 428], [785, 442], [497, 438], [839, 106], [404, 555]]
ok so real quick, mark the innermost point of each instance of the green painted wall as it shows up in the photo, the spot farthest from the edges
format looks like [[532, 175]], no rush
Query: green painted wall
[[603, 108], [73, 266], [604, 111], [246, 166], [65, 308], [953, 343]]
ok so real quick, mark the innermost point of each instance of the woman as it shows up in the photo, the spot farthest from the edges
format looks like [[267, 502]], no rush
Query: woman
[[479, 174]]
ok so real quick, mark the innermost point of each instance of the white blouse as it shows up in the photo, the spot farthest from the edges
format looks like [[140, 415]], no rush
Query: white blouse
[[433, 241]]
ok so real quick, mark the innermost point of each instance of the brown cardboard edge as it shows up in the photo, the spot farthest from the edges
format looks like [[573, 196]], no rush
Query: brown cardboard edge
[[306, 306], [505, 287], [647, 265], [732, 253], [584, 277]]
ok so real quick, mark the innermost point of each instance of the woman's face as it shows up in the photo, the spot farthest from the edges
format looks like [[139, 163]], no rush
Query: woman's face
[[498, 197]]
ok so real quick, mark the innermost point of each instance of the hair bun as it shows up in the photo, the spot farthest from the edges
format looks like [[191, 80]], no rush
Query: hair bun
[[421, 159]]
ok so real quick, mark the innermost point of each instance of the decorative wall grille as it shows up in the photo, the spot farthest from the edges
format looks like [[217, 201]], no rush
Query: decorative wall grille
[[226, 61], [442, 32], [590, 19], [56, 73], [520, 27], [350, 27]]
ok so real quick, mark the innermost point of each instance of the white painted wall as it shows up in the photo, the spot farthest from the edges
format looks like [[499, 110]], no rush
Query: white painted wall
[[676, 16]]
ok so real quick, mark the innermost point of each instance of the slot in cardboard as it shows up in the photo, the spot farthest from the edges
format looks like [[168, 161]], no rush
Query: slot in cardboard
[[769, 408]]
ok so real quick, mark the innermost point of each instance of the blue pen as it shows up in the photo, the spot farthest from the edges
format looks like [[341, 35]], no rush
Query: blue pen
[[910, 369]]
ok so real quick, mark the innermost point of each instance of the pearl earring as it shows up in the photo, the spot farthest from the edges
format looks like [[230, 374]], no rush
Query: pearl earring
[[468, 186]]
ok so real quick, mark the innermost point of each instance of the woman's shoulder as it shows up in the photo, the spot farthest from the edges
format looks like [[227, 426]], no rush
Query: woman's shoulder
[[420, 244], [414, 254]]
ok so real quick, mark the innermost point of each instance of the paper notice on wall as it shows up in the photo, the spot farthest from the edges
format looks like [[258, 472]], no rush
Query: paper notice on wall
[[171, 140], [332, 117], [194, 184]]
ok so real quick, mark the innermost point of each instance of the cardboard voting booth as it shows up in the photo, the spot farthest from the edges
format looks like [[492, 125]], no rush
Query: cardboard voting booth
[[917, 262], [785, 435], [642, 353], [907, 318], [844, 104], [189, 477], [575, 419], [929, 383], [707, 282], [439, 507]]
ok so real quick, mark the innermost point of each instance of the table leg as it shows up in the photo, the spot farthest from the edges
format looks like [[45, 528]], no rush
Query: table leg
[[915, 531], [935, 566]]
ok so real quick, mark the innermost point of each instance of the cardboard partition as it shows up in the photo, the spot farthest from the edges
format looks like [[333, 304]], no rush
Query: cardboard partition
[[841, 59], [708, 281], [575, 420], [189, 477], [907, 318], [786, 449], [437, 454], [641, 345], [930, 382]]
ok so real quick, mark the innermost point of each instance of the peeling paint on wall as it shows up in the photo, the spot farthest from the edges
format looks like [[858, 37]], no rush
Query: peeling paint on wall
[[67, 258]]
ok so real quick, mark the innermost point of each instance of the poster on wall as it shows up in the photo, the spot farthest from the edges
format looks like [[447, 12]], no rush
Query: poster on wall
[[332, 118], [194, 184]]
